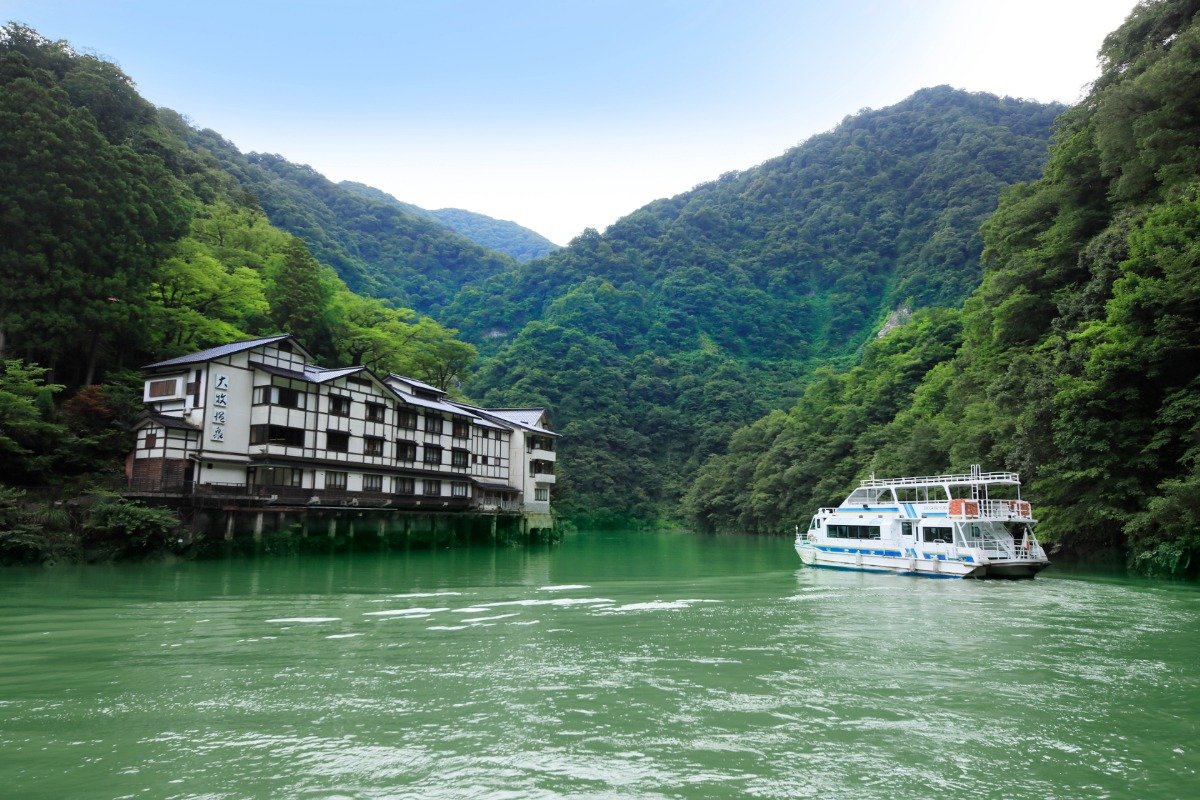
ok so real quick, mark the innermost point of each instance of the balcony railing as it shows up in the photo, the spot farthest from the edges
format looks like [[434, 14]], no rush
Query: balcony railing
[[296, 495]]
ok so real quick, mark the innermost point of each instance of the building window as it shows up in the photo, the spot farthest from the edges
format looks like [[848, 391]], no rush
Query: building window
[[459, 458], [372, 446], [484, 459], [372, 483], [335, 480], [541, 493], [279, 396], [404, 486], [462, 429], [406, 418], [339, 406], [406, 451], [274, 476], [277, 434], [433, 488], [433, 423], [433, 455], [151, 439], [375, 412], [164, 388], [337, 441], [458, 489]]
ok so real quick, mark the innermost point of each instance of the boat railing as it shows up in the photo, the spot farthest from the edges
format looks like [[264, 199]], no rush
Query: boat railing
[[1023, 550], [940, 480]]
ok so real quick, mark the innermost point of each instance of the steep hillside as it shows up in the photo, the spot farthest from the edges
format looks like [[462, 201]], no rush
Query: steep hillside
[[509, 238], [120, 245], [377, 248], [657, 339], [1078, 363]]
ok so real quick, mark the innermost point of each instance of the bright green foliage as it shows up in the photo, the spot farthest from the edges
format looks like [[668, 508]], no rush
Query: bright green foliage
[[1080, 362], [652, 343], [29, 433], [130, 526]]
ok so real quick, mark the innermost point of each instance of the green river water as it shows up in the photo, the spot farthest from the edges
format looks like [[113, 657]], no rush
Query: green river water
[[608, 666]]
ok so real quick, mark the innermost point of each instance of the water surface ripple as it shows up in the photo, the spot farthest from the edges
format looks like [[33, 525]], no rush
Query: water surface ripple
[[610, 666]]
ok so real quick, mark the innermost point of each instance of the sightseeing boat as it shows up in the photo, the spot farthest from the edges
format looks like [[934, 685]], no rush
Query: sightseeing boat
[[941, 526]]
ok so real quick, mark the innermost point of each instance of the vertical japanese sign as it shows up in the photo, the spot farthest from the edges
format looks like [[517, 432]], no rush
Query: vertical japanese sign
[[220, 404]]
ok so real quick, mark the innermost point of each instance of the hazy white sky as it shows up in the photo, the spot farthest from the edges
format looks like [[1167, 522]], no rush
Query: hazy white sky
[[563, 115]]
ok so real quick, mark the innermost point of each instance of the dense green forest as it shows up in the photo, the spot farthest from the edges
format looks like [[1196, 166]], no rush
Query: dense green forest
[[1076, 361], [689, 318], [509, 238], [122, 243], [377, 248]]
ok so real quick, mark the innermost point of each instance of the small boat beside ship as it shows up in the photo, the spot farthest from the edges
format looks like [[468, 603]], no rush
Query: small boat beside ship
[[942, 526]]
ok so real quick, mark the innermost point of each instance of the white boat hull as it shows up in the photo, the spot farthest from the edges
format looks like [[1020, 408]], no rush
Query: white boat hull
[[926, 565]]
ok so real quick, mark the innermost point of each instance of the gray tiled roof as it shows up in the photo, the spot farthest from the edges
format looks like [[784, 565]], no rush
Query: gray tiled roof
[[166, 420], [414, 382], [218, 351], [525, 417]]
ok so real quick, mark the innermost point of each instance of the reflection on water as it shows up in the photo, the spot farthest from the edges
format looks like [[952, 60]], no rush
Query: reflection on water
[[614, 665]]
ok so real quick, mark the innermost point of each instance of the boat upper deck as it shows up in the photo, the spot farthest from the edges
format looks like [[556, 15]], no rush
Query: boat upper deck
[[973, 478]]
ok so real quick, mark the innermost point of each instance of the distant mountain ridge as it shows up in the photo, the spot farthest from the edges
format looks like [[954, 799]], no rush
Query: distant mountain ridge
[[658, 338], [377, 248], [503, 236]]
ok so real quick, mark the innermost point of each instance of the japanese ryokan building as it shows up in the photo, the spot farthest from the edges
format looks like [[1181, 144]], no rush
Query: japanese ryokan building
[[257, 419]]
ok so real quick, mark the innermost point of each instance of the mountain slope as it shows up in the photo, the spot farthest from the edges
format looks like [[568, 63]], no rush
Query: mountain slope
[[694, 314], [509, 238], [1077, 358], [377, 248]]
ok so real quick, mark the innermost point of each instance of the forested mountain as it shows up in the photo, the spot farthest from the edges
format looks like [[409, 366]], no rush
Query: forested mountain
[[121, 242], [509, 238], [378, 248], [653, 342], [1077, 361]]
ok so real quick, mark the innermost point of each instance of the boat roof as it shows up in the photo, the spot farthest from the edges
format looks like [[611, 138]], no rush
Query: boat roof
[[974, 478]]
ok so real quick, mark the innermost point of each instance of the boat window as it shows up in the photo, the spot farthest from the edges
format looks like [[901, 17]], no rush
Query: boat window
[[852, 531], [933, 534], [906, 528], [863, 495]]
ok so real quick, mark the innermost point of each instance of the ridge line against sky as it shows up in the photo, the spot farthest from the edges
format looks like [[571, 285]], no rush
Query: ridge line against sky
[[561, 115]]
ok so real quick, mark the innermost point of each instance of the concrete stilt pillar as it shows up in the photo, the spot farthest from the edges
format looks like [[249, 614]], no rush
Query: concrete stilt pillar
[[258, 526], [229, 526]]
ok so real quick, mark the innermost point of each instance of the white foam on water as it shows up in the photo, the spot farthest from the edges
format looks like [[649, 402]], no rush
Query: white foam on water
[[447, 627], [469, 610], [489, 619], [404, 612], [564, 587], [560, 601], [342, 635], [424, 594], [526, 622], [306, 619], [655, 605]]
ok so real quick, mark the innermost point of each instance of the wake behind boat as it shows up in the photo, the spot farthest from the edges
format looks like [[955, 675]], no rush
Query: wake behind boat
[[944, 526]]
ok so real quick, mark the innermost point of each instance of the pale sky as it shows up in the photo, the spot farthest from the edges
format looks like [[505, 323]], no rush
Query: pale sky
[[563, 115]]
